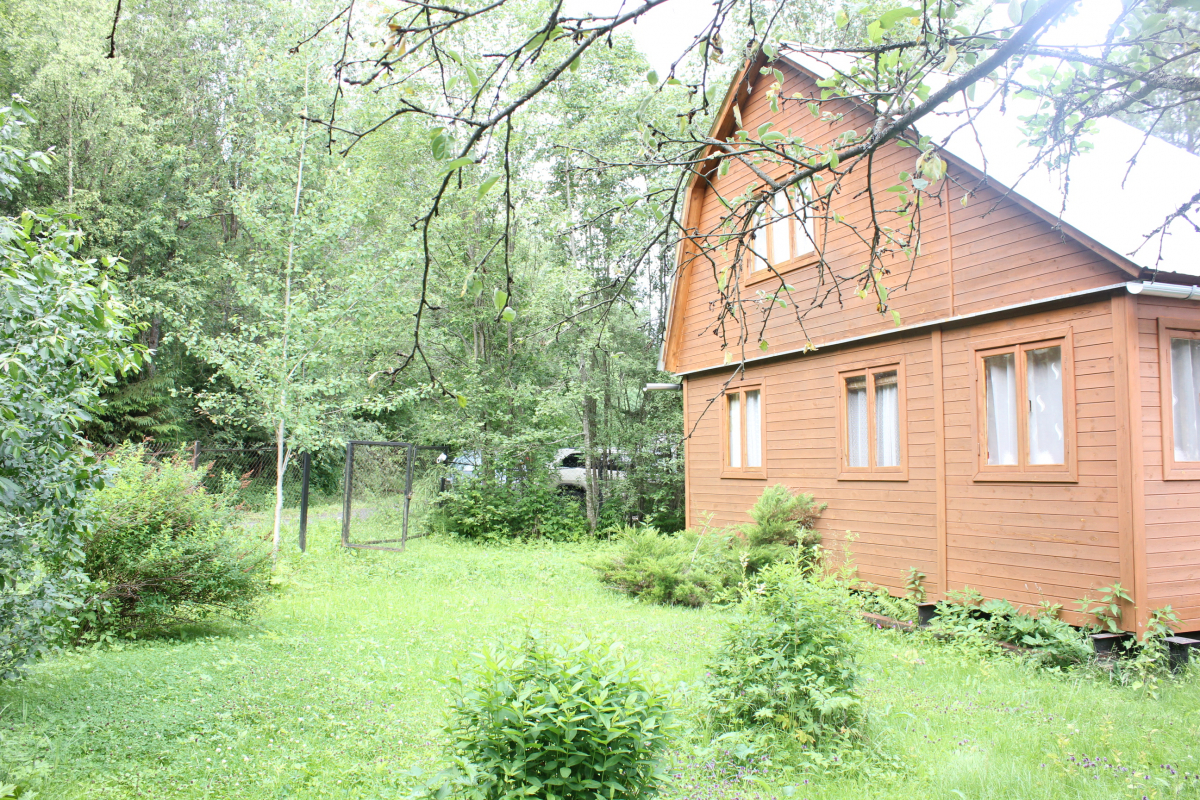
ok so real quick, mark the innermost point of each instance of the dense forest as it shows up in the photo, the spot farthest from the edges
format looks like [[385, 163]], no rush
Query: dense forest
[[276, 276]]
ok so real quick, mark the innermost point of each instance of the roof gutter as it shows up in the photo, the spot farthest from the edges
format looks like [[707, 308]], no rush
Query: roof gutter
[[1155, 289]]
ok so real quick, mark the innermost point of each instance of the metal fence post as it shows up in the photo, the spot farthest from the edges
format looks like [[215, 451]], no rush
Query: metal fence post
[[408, 471], [346, 499], [196, 454], [305, 464]]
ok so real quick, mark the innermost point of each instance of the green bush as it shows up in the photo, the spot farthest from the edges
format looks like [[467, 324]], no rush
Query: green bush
[[487, 510], [688, 569], [788, 661], [967, 615], [783, 522], [693, 569], [163, 551], [548, 720]]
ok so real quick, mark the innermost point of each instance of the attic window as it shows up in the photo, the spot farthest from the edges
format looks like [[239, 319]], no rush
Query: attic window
[[782, 233]]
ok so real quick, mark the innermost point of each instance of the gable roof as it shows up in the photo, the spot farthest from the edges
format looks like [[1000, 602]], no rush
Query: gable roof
[[1106, 210], [1109, 201]]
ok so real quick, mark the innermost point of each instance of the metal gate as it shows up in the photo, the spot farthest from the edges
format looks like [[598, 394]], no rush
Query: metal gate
[[379, 476]]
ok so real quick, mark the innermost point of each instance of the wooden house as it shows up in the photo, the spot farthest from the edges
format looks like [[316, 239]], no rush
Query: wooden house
[[1030, 429]]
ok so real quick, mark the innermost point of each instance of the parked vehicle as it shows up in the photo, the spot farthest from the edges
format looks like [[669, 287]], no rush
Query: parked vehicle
[[570, 469]]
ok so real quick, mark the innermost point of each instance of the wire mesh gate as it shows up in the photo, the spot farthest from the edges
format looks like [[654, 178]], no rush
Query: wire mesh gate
[[380, 479]]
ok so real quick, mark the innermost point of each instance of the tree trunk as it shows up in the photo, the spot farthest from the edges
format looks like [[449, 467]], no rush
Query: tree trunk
[[590, 494], [281, 454], [71, 155]]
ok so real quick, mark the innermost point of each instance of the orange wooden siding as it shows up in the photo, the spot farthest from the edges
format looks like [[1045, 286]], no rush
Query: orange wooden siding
[[800, 404], [1032, 541], [1172, 529]]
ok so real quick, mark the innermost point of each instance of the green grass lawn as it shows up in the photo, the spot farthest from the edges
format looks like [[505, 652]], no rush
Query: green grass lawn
[[336, 693]]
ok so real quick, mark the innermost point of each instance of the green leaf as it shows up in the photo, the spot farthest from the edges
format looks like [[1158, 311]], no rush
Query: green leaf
[[762, 345], [896, 317], [508, 315], [1015, 11], [841, 19], [652, 78], [462, 400], [457, 163], [889, 20], [499, 299], [487, 185], [438, 142]]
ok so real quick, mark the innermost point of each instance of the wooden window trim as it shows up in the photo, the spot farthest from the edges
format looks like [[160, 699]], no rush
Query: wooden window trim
[[872, 472], [1171, 328], [1021, 472], [806, 259], [744, 472]]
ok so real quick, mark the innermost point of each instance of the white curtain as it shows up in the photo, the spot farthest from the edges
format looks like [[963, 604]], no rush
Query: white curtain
[[857, 441], [1185, 398], [1044, 375], [802, 228], [1001, 376], [758, 241], [735, 431], [781, 226], [887, 420], [753, 430]]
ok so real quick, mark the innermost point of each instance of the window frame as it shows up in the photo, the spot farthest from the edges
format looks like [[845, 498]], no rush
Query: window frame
[[1020, 345], [1173, 470], [871, 472], [804, 259], [740, 389]]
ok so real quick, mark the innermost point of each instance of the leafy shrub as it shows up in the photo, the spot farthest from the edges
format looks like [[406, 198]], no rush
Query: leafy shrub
[[788, 661], [548, 720], [488, 510], [966, 614], [694, 568], [163, 551], [880, 601], [783, 521], [688, 569]]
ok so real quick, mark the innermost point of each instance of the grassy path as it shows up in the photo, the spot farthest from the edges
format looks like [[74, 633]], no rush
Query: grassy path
[[336, 694]]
